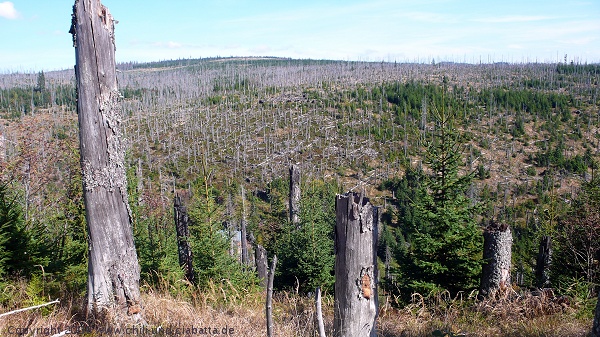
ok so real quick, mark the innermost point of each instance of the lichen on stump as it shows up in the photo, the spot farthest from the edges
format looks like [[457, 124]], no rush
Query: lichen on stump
[[113, 269]]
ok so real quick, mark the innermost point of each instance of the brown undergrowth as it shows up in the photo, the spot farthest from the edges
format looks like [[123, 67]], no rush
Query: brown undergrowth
[[228, 311]]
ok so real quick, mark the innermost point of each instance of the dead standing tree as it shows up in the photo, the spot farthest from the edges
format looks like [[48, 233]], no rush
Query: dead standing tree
[[113, 269], [262, 267], [295, 195], [497, 255], [544, 259], [183, 236], [356, 301]]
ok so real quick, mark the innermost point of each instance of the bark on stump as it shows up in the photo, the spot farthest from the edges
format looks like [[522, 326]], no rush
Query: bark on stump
[[183, 234], [295, 195], [113, 270], [356, 300], [497, 248]]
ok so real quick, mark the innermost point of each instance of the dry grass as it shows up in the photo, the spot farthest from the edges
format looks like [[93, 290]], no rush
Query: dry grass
[[242, 313], [507, 314]]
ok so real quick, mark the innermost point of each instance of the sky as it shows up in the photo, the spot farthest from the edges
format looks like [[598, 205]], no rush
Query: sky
[[34, 33]]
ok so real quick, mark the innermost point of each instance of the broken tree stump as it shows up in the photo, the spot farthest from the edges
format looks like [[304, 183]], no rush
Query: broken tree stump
[[596, 322], [497, 248], [544, 259], [113, 269], [269, 302], [319, 312], [260, 256], [294, 195], [183, 234], [243, 233], [356, 302]]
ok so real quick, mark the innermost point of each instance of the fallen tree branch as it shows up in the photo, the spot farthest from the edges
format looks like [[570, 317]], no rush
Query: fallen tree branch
[[64, 333], [29, 308]]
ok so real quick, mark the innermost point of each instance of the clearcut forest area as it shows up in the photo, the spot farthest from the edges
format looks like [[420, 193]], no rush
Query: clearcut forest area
[[445, 150]]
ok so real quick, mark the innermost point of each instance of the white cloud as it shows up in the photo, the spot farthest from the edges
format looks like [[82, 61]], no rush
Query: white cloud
[[8, 11], [168, 45], [174, 45], [513, 18]]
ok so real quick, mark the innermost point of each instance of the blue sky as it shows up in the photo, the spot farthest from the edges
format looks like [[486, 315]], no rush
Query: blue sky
[[34, 32]]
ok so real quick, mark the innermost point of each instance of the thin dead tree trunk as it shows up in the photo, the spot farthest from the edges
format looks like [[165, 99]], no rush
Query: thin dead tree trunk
[[183, 235], [319, 312], [356, 227], [243, 234], [113, 269], [269, 304], [295, 195], [497, 246], [28, 308]]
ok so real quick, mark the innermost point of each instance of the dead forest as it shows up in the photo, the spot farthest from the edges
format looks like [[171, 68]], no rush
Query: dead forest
[[220, 137]]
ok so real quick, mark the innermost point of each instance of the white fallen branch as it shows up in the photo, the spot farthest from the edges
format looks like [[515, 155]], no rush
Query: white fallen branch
[[64, 333], [29, 308]]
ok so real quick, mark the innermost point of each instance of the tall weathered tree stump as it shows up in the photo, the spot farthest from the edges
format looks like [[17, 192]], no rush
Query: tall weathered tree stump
[[269, 301], [596, 323], [544, 258], [497, 255], [319, 313], [243, 233], [113, 270], [183, 234], [294, 195], [260, 256], [356, 300]]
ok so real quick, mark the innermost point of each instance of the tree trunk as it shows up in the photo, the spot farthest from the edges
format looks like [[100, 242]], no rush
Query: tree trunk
[[295, 195], [319, 312], [243, 234], [544, 259], [356, 300], [244, 243], [497, 256], [261, 264], [183, 234], [269, 304], [113, 270], [596, 324]]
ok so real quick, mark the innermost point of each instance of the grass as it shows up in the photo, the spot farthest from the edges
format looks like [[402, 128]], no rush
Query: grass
[[241, 313]]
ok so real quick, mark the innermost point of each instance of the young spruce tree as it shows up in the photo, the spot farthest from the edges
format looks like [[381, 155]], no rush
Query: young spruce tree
[[444, 240], [305, 252]]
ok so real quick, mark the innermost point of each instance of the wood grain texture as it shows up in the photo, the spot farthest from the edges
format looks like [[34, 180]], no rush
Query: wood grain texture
[[355, 308], [113, 270]]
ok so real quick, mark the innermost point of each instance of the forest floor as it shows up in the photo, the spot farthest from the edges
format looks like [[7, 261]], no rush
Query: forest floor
[[219, 311]]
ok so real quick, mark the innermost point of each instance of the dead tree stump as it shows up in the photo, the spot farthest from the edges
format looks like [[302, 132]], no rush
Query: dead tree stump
[[319, 313], [113, 269], [356, 300], [243, 233], [269, 302], [497, 248], [295, 195], [544, 258], [596, 323], [183, 235], [261, 264]]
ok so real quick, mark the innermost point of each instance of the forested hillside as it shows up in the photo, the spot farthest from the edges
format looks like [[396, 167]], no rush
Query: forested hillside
[[516, 143]]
